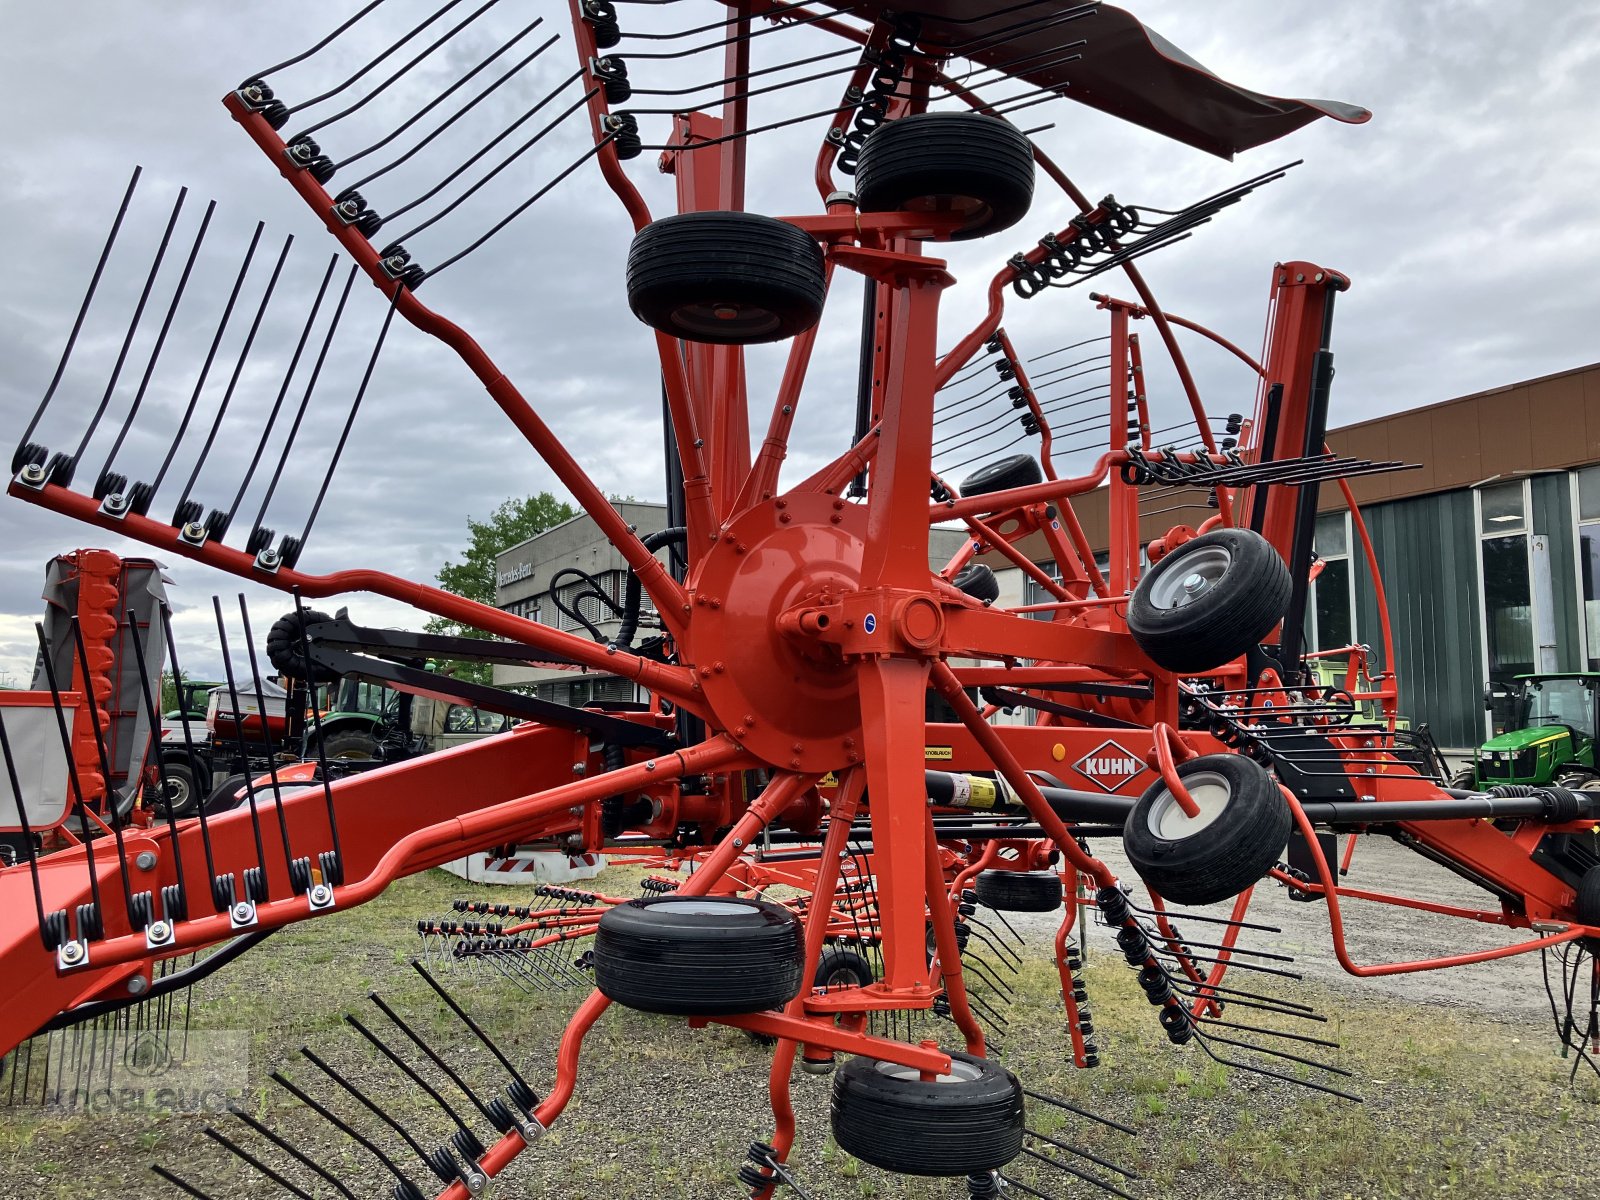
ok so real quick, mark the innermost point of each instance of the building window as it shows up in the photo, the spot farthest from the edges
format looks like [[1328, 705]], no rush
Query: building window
[[1332, 610], [1587, 486], [1507, 590]]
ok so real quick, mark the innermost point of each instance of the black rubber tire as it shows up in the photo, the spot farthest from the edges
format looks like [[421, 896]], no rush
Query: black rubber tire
[[949, 1127], [284, 649], [1464, 777], [222, 796], [978, 581], [181, 796], [349, 745], [1586, 908], [841, 967], [1245, 837], [1577, 781], [1232, 612], [948, 162], [1019, 891], [699, 955], [727, 278], [1017, 470]]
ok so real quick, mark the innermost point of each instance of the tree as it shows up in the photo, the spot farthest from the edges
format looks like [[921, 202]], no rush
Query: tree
[[474, 576]]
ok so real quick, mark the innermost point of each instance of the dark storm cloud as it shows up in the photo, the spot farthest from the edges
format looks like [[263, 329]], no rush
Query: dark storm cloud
[[1463, 214]]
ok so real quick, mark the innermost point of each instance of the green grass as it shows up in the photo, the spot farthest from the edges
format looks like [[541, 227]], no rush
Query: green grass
[[1456, 1104]]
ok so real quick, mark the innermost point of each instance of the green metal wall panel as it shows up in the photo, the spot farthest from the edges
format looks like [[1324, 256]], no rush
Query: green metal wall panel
[[1427, 554], [1552, 516]]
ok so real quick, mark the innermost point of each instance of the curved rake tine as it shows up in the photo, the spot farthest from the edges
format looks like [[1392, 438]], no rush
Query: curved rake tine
[[1076, 1173], [1081, 1112], [305, 54], [1082, 1153], [284, 1145], [245, 1156], [350, 1131]]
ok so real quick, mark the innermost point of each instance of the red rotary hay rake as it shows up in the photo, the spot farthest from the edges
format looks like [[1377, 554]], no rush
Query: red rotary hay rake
[[810, 663]]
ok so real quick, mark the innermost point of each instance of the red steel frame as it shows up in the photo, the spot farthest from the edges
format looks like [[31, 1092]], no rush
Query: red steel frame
[[808, 634]]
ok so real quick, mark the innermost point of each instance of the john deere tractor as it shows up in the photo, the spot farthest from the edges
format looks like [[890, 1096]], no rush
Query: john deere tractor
[[1549, 736]]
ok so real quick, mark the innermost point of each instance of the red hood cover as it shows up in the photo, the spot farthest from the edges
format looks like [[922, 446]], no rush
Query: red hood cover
[[1126, 70]]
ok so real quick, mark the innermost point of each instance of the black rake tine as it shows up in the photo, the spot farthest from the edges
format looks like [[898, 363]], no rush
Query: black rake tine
[[238, 368], [1017, 1183], [1283, 1054], [1082, 1112], [1282, 1008], [366, 1102], [105, 767], [433, 1055], [133, 324], [406, 1069], [1177, 943], [1164, 952], [272, 762], [161, 337], [1077, 1174], [1192, 916], [1278, 1033], [178, 1182], [211, 355], [336, 89], [283, 390], [284, 1145], [1082, 1153], [1001, 917], [188, 745], [243, 1154], [342, 1126], [27, 835], [83, 312], [305, 54], [1278, 1075], [238, 734], [349, 422], [484, 149], [305, 398], [378, 89], [322, 754], [153, 715], [441, 97]]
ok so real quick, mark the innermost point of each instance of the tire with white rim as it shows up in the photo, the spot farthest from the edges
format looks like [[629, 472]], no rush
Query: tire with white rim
[[1239, 834], [1209, 601], [966, 1122], [699, 955]]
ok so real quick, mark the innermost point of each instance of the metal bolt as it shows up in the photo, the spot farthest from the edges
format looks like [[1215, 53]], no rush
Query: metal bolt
[[33, 473], [116, 502], [738, 843], [579, 768], [138, 985], [242, 911], [194, 531], [651, 765], [321, 895], [145, 860], [1194, 583], [72, 952], [268, 558], [159, 931]]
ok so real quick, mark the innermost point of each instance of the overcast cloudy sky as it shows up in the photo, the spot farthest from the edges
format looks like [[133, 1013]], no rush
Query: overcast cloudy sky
[[1464, 213]]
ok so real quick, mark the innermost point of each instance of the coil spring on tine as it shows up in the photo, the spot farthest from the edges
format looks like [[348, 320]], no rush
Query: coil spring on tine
[[889, 65]]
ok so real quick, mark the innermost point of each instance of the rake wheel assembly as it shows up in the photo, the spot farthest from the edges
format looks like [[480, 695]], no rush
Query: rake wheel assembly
[[687, 955], [966, 1120], [1239, 832]]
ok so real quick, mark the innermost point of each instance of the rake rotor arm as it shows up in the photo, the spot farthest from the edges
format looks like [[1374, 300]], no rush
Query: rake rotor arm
[[674, 682]]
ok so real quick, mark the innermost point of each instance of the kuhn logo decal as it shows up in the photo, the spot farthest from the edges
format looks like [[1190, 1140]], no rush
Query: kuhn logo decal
[[1109, 765]]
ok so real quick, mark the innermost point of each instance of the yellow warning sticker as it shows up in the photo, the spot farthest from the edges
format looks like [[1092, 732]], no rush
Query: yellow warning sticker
[[828, 780], [940, 753], [983, 792]]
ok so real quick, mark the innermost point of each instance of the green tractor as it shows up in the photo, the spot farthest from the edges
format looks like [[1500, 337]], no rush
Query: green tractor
[[1549, 737]]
